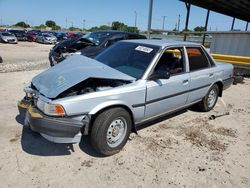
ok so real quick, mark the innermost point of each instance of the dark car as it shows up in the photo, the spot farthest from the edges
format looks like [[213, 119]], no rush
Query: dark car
[[20, 34], [89, 45], [60, 36]]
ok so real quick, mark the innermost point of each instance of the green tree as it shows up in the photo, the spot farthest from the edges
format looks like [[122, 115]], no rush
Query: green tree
[[57, 27], [118, 26], [22, 24], [199, 29], [102, 27], [50, 23], [132, 29], [74, 29]]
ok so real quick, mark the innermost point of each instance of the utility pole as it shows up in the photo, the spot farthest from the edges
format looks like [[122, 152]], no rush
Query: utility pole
[[83, 24], [163, 22], [66, 23], [179, 20], [150, 17], [135, 18]]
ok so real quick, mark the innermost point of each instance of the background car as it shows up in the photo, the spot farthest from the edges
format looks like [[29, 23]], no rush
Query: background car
[[7, 37], [32, 35], [46, 38], [60, 36], [74, 36], [89, 45], [20, 34]]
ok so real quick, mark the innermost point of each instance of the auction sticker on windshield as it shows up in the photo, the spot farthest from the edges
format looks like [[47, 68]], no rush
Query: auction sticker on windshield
[[144, 49]]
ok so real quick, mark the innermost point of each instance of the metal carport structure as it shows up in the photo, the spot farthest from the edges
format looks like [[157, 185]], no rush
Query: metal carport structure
[[239, 9]]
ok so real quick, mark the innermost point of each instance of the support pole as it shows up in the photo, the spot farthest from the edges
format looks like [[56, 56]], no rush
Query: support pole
[[150, 17], [179, 20], [135, 19], [188, 6], [246, 27], [206, 23], [232, 27], [163, 22]]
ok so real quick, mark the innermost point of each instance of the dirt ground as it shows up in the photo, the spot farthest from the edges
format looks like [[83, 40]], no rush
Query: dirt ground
[[185, 150], [24, 56]]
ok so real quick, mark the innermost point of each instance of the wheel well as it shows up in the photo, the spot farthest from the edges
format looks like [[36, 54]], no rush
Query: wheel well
[[220, 85], [93, 117]]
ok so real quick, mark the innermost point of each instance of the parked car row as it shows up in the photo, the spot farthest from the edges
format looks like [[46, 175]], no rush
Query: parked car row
[[45, 37]]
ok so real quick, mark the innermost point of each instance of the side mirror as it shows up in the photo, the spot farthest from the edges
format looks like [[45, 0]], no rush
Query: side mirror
[[159, 75]]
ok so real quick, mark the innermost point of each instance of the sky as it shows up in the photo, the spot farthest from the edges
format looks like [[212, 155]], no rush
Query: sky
[[103, 12]]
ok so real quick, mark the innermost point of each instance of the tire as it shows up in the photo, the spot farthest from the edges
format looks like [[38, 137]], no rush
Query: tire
[[209, 101], [52, 63], [110, 131]]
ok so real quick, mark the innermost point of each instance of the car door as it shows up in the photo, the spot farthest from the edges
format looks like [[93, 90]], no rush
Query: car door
[[201, 73], [165, 95]]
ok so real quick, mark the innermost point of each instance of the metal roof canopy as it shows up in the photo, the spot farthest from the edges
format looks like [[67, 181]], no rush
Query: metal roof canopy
[[239, 9]]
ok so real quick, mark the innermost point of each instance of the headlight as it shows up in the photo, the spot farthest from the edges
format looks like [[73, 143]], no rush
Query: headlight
[[54, 109], [50, 109]]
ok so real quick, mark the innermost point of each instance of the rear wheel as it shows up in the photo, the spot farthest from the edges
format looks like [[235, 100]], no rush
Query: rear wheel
[[210, 99], [111, 130]]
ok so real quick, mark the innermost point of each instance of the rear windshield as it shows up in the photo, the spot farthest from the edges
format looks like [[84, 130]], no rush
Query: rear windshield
[[130, 58]]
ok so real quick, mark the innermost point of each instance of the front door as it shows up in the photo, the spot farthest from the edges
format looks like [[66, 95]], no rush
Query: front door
[[165, 95]]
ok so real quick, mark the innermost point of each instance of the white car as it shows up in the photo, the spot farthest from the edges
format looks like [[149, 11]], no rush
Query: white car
[[46, 38], [7, 37]]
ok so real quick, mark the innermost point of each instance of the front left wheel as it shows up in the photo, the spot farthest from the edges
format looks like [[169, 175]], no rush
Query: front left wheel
[[111, 130]]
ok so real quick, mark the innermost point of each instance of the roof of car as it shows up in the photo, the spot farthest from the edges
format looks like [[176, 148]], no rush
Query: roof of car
[[115, 31], [163, 42]]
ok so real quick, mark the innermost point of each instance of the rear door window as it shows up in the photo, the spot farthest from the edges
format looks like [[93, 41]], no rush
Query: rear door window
[[197, 59]]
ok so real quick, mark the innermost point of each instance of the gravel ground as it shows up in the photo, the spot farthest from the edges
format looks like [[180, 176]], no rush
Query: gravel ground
[[24, 56], [184, 150]]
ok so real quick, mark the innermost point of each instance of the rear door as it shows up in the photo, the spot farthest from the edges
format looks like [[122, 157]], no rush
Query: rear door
[[201, 73], [165, 95]]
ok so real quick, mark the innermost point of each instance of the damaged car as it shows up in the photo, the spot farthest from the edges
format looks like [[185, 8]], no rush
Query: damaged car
[[89, 45], [125, 86]]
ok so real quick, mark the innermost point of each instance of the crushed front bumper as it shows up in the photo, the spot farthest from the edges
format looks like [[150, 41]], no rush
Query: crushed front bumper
[[55, 129]]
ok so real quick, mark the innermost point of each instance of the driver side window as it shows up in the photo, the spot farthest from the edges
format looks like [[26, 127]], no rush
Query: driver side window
[[171, 61]]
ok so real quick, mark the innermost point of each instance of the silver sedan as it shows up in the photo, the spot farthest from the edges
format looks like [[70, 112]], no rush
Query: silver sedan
[[7, 37], [125, 86]]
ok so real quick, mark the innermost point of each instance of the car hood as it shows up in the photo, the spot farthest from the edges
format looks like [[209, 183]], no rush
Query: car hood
[[8, 37], [65, 43], [72, 71]]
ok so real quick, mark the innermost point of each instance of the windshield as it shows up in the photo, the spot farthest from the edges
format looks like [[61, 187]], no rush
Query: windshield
[[130, 58], [47, 35], [7, 34], [97, 37]]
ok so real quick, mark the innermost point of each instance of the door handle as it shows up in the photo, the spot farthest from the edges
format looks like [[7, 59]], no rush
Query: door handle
[[211, 75], [185, 82]]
